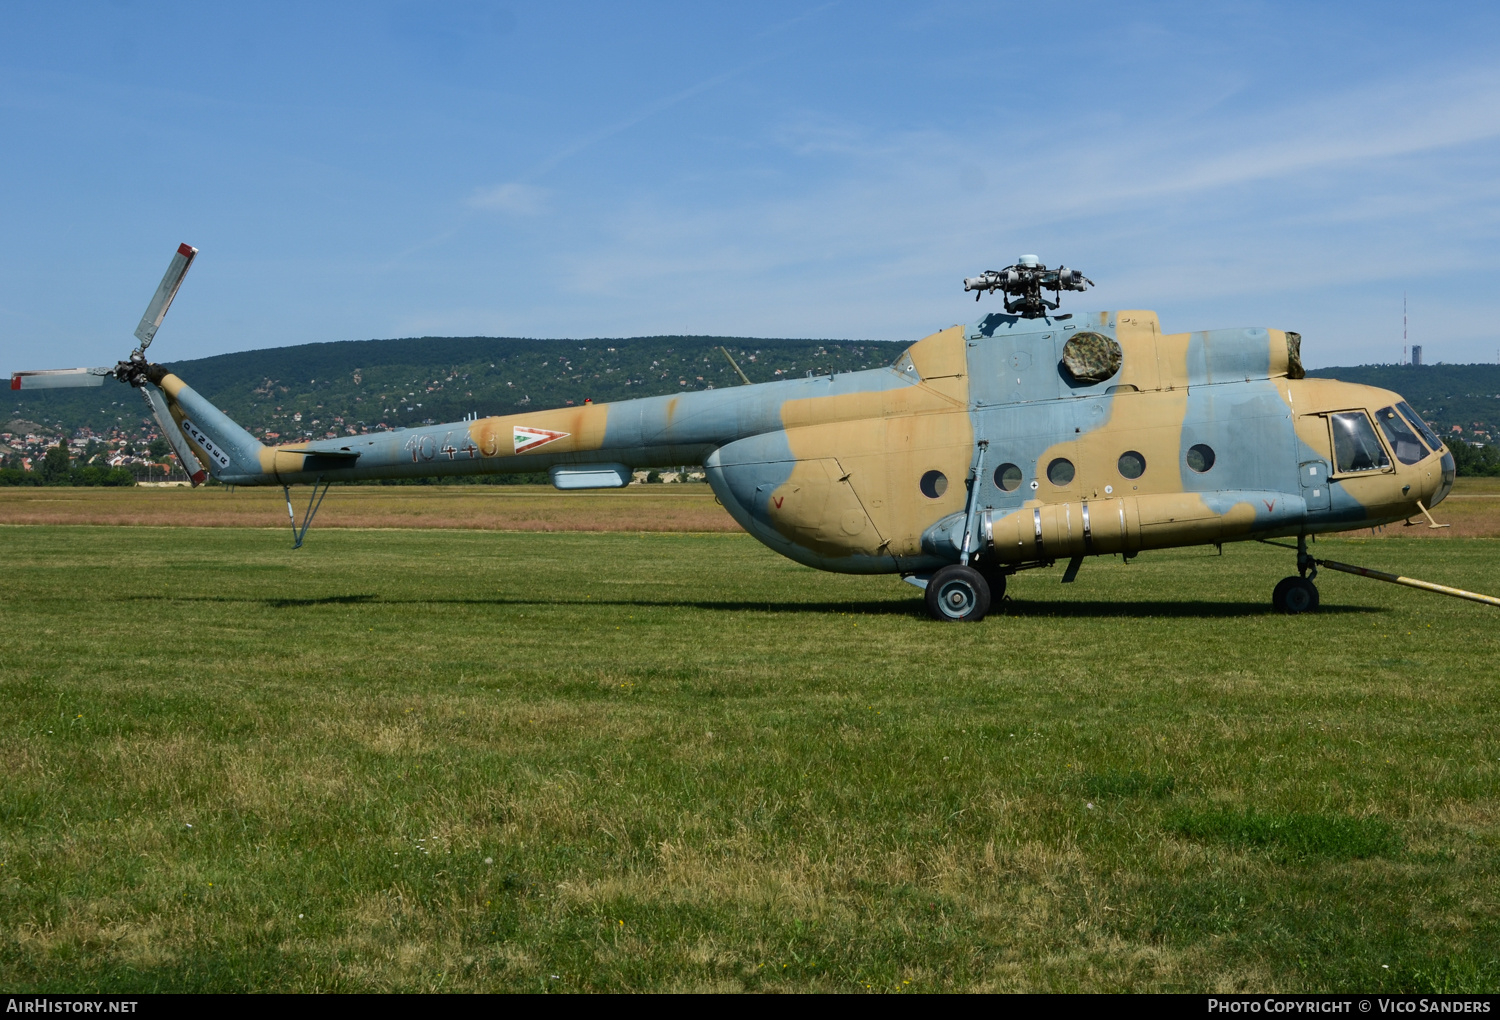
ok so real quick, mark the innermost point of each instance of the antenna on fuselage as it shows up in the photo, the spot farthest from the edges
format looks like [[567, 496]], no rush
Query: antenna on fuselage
[[736, 367], [1025, 282]]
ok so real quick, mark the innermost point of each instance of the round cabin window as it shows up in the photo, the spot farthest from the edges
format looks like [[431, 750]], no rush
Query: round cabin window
[[1200, 457], [1060, 471], [1132, 464], [934, 484], [1008, 477]]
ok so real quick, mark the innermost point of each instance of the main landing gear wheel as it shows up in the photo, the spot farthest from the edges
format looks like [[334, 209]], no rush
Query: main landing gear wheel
[[1295, 595], [958, 593]]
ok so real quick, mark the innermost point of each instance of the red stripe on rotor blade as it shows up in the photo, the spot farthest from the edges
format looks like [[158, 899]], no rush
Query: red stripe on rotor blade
[[198, 478], [185, 249]]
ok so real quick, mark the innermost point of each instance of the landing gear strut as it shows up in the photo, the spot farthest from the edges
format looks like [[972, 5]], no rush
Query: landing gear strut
[[959, 593], [1294, 595], [995, 579]]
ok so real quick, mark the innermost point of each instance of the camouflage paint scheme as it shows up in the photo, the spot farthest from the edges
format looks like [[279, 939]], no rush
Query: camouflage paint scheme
[[829, 470]]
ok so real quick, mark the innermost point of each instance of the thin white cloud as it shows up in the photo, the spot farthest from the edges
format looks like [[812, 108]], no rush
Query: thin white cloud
[[514, 198], [522, 198], [1212, 218], [1216, 212], [1368, 126]]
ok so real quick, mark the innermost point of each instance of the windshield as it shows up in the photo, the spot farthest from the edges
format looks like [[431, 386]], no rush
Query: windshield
[[1421, 426], [1403, 440], [1355, 447]]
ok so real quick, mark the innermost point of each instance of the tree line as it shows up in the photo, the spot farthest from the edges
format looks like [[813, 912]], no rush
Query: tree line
[[1472, 460], [59, 467]]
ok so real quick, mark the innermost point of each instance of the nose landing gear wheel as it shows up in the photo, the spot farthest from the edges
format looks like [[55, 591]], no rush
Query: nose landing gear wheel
[[959, 594], [1295, 595]]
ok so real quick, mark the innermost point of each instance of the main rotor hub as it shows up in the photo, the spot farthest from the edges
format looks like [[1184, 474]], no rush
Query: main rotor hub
[[1024, 282]]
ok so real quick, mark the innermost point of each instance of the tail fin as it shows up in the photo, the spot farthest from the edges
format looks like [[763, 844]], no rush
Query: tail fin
[[172, 431], [230, 453]]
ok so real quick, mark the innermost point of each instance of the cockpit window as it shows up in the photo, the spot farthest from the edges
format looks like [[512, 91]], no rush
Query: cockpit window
[[1421, 426], [1403, 440], [1355, 447]]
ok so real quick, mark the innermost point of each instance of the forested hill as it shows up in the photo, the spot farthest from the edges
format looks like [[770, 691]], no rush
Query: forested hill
[[1467, 396], [369, 383]]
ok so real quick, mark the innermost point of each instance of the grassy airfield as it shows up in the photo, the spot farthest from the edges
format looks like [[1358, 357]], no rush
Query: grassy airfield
[[604, 760]]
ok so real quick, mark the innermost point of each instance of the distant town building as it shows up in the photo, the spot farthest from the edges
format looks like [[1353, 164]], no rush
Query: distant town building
[[1416, 354]]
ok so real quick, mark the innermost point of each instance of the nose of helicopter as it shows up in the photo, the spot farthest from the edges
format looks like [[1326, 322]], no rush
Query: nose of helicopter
[[1431, 480], [1442, 480]]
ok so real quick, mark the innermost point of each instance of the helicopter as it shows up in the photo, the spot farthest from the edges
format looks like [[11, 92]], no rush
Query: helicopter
[[1020, 439]]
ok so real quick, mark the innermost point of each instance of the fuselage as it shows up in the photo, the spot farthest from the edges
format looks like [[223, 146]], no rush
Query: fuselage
[[1191, 438]]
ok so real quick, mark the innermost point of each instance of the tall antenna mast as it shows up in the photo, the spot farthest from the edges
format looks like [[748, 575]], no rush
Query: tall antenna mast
[[1403, 327]]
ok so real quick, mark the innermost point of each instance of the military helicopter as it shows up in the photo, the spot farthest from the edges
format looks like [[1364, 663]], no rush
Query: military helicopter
[[1023, 438]]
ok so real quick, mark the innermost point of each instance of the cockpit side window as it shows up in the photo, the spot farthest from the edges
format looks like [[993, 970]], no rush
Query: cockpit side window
[[1403, 440], [1421, 426], [1355, 447]]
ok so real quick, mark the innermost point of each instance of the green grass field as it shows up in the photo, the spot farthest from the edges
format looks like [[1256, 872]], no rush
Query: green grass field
[[487, 761]]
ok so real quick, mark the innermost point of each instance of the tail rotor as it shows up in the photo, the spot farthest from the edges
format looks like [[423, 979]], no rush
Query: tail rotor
[[135, 371]]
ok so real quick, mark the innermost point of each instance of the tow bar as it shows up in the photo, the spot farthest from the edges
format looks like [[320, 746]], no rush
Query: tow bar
[[1410, 582]]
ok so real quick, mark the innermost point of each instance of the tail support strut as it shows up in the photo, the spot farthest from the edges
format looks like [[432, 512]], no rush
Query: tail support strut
[[314, 501]]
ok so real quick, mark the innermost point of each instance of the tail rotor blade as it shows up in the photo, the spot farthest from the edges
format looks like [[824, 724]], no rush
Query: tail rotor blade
[[59, 378], [173, 434], [157, 309]]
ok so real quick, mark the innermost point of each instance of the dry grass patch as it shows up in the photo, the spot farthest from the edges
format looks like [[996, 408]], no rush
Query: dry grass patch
[[645, 508]]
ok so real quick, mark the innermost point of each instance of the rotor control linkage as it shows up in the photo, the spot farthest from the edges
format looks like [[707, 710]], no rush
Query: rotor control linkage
[[1410, 582], [1025, 282]]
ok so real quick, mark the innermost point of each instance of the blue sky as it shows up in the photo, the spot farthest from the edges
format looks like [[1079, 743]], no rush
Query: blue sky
[[824, 170]]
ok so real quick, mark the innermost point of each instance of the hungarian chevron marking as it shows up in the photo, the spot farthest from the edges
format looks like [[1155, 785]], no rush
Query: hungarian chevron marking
[[529, 438]]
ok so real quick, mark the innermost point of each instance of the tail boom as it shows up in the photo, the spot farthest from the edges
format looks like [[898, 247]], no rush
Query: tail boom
[[593, 441]]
